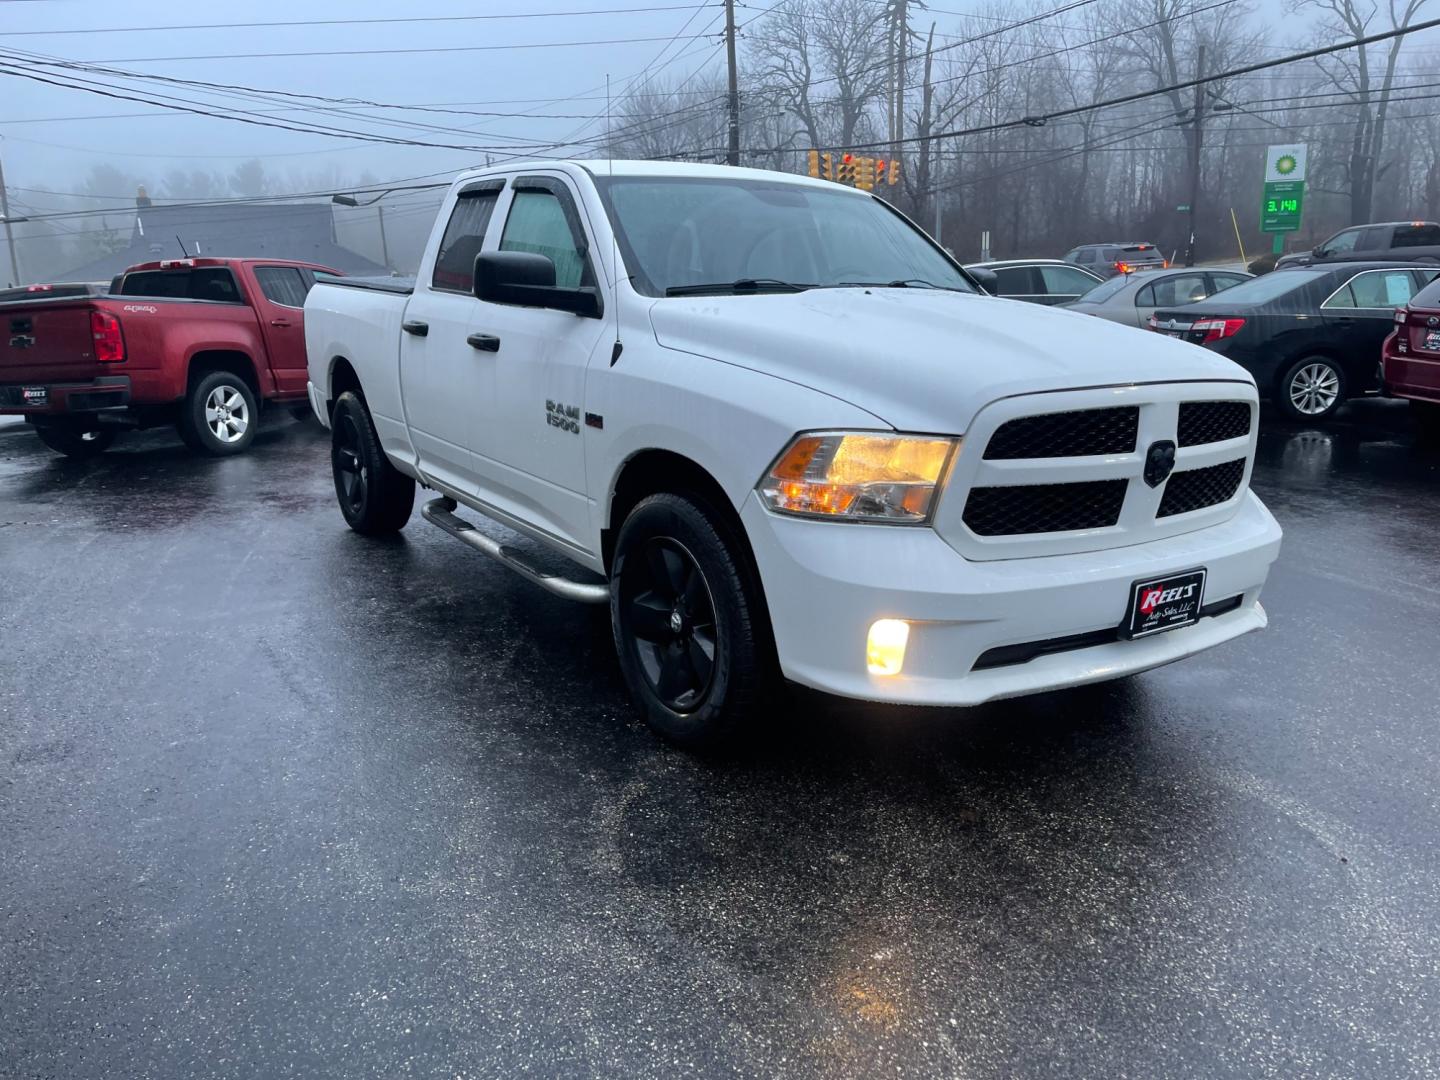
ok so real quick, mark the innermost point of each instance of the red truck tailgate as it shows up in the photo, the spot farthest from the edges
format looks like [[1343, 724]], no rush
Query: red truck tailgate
[[48, 341]]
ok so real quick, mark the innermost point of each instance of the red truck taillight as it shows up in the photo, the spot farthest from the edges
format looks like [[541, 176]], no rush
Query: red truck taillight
[[109, 342]]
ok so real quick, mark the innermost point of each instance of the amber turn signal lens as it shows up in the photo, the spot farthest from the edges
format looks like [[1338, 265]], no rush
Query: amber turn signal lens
[[859, 476]]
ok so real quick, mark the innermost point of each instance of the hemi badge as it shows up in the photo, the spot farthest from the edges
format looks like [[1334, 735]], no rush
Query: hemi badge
[[594, 420]]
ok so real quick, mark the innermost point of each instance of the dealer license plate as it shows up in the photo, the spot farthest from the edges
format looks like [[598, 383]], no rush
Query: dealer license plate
[[1166, 603], [34, 397], [1432, 341]]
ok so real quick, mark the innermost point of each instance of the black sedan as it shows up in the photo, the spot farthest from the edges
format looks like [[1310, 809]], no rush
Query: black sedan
[[1310, 336]]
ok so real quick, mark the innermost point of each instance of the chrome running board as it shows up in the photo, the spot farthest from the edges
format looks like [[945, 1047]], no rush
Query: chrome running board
[[441, 512]]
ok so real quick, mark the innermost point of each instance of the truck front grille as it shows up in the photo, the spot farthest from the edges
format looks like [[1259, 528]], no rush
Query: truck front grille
[[1196, 489], [1078, 433], [1044, 508], [1212, 421]]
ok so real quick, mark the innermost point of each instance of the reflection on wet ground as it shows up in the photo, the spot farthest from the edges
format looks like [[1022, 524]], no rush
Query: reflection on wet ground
[[281, 798]]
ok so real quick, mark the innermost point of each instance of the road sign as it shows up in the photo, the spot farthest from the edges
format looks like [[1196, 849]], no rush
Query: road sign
[[1283, 199]]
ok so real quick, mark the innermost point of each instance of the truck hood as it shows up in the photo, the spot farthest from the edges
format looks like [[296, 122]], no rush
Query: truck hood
[[923, 359]]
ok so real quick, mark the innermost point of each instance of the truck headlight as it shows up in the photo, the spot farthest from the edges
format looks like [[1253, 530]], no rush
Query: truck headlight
[[859, 476]]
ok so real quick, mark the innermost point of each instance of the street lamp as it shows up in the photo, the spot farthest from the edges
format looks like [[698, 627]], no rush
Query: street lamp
[[351, 200]]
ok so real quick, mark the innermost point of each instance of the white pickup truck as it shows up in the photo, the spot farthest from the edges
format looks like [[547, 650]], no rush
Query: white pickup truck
[[792, 439]]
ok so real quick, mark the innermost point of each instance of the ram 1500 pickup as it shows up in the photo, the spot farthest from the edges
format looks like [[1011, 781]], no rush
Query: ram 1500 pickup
[[194, 342], [786, 436]]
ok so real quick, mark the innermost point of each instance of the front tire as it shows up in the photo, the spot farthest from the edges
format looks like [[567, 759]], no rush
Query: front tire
[[689, 622], [1312, 388], [74, 442], [375, 497], [219, 415]]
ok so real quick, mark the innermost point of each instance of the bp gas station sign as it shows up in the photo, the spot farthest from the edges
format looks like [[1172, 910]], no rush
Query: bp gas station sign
[[1284, 197]]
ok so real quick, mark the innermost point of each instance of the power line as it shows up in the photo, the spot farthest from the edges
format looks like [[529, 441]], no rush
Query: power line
[[592, 43], [358, 22]]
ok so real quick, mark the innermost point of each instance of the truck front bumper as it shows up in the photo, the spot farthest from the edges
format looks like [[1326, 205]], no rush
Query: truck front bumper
[[60, 398], [826, 583]]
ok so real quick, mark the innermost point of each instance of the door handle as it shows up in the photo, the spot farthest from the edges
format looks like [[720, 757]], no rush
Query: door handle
[[484, 342], [414, 326], [281, 322]]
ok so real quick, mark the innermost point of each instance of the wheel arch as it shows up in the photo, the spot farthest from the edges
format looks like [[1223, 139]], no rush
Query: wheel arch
[[207, 361], [340, 377], [653, 471]]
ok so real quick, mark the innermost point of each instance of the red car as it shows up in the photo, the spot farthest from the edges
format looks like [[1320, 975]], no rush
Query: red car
[[1410, 367], [199, 343]]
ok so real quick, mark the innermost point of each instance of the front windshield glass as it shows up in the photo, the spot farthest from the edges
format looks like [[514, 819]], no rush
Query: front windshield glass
[[1277, 283], [678, 232]]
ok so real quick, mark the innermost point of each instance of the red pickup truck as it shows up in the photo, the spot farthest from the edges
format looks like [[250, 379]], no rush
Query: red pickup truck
[[199, 343], [1410, 361]]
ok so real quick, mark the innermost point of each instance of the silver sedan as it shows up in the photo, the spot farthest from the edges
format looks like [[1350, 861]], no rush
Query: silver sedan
[[1132, 298]]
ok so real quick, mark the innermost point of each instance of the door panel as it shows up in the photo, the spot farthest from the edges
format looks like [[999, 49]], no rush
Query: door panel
[[281, 308], [1362, 312], [446, 393], [530, 449]]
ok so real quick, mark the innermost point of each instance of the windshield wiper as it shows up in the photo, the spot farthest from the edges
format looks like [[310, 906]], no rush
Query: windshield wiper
[[898, 283], [741, 285]]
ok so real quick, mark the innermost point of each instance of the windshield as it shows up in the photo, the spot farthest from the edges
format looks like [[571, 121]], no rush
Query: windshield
[[680, 232], [1260, 289], [1106, 289]]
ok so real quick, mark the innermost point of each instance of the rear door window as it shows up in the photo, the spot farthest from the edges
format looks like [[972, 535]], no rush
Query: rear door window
[[463, 239], [1015, 281], [283, 285], [1221, 282], [1174, 291], [1374, 290], [1065, 281]]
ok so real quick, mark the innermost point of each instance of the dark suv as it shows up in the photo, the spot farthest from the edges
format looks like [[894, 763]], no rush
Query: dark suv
[[1413, 241], [1107, 260]]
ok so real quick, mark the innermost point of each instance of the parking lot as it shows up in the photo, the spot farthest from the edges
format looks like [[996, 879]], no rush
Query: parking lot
[[276, 800]]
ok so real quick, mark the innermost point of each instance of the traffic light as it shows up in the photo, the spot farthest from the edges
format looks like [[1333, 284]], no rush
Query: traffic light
[[847, 169], [892, 172], [820, 165], [865, 173]]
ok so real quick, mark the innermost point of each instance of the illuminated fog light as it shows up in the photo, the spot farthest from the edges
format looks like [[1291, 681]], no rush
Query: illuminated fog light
[[885, 647]]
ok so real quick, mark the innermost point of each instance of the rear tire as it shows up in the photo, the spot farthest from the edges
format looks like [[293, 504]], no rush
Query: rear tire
[[689, 622], [1312, 388], [219, 415], [76, 442], [375, 497]]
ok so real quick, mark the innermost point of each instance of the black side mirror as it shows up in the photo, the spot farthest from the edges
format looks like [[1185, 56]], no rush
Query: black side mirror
[[986, 279], [1318, 252], [526, 279]]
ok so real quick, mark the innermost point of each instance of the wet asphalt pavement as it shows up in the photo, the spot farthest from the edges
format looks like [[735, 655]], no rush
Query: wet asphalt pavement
[[277, 801]]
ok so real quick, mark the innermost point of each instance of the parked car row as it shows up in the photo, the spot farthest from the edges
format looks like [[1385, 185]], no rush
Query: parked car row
[[1312, 336]]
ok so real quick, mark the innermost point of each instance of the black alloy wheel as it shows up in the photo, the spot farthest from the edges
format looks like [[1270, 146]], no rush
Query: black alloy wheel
[[667, 607], [688, 613]]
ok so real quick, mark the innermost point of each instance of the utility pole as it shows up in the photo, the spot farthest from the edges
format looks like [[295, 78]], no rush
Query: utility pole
[[732, 96], [384, 247], [1197, 144], [902, 32], [9, 230]]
